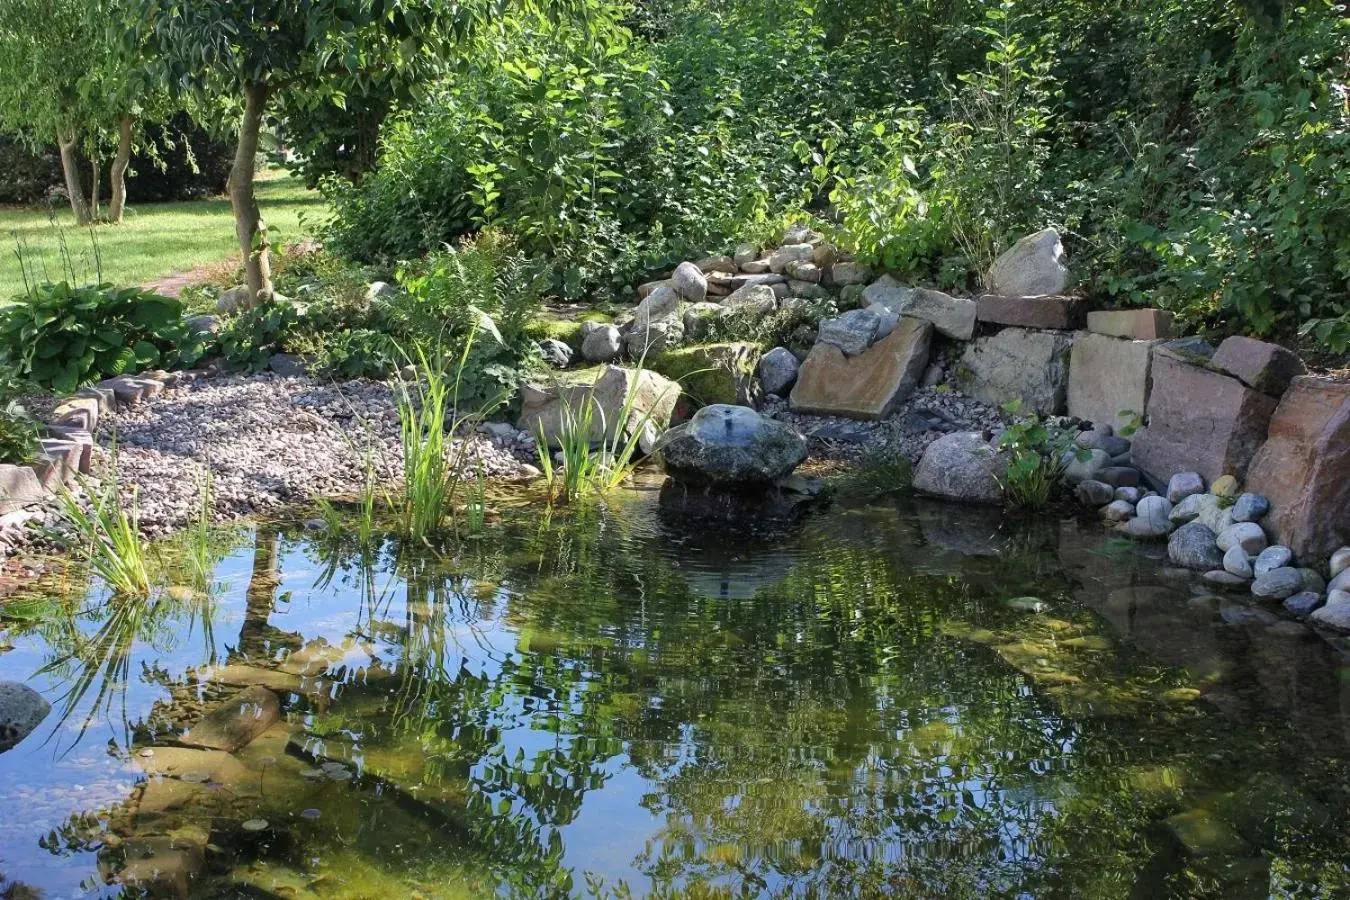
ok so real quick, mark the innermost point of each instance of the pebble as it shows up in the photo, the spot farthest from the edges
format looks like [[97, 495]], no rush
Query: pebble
[[1094, 493], [1130, 495], [1192, 546], [1247, 535], [1278, 584], [255, 825], [1275, 556], [1224, 486], [1183, 485], [1340, 561], [1336, 614], [1236, 560], [1117, 511], [1302, 604], [1224, 580], [1250, 507]]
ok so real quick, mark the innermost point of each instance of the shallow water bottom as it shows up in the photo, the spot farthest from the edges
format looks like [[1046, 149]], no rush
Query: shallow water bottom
[[894, 699]]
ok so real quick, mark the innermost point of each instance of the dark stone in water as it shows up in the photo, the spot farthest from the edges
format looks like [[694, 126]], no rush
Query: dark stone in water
[[711, 505]]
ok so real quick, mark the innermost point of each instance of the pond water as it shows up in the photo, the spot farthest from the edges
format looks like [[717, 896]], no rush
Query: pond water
[[885, 699]]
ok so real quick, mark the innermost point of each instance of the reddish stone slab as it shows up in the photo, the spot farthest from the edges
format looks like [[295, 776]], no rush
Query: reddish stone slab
[[1200, 421], [1304, 469], [1134, 324], [1049, 312], [866, 386]]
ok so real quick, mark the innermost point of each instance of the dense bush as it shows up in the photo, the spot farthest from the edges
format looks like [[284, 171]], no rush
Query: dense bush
[[61, 337], [484, 287], [177, 160], [18, 430], [1195, 155], [25, 176]]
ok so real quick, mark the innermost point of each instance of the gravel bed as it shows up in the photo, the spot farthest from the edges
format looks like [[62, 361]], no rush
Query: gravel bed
[[269, 443]]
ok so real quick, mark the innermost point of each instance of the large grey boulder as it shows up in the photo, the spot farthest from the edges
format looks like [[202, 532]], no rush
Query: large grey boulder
[[602, 344], [1019, 364], [962, 466], [22, 709], [888, 292], [234, 300], [758, 297], [690, 282], [1031, 267], [778, 371], [661, 305], [733, 446], [952, 316], [653, 400]]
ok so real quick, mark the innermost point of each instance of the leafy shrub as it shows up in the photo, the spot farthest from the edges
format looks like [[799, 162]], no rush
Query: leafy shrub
[[18, 430], [1036, 448], [61, 337], [248, 340], [26, 176]]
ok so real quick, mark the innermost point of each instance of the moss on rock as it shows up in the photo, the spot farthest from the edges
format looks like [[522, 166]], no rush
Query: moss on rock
[[712, 373]]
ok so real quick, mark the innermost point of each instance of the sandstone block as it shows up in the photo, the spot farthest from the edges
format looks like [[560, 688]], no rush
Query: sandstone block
[[1108, 377], [1030, 312], [1304, 468], [866, 386], [1266, 367], [1200, 420], [1133, 324], [1018, 363]]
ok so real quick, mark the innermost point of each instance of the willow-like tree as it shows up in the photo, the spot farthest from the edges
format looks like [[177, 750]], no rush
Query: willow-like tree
[[309, 52], [67, 76]]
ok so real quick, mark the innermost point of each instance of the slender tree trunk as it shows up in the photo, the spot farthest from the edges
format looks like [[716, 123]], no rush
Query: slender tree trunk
[[249, 226], [118, 175], [70, 166], [93, 188]]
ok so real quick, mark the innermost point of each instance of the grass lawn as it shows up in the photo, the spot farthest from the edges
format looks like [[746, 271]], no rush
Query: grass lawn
[[154, 240]]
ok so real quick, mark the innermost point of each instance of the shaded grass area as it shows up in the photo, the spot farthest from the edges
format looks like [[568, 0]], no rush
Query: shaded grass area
[[154, 240]]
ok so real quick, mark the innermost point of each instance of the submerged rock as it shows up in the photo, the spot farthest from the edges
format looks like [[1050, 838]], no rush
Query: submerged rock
[[732, 445], [22, 709], [235, 722]]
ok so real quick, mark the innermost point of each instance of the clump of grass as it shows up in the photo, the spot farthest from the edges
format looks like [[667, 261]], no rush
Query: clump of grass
[[1036, 464], [589, 467], [881, 472], [200, 557], [110, 535], [425, 502]]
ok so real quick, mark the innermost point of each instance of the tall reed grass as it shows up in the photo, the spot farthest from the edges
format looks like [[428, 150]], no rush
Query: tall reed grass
[[109, 533]]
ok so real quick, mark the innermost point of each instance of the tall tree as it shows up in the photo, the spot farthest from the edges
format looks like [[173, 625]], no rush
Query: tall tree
[[66, 75], [310, 52]]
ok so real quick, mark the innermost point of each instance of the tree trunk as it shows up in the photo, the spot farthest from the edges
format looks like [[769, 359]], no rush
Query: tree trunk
[[118, 175], [70, 166], [93, 188], [249, 226]]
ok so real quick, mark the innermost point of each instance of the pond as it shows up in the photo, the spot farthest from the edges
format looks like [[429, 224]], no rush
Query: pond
[[895, 698]]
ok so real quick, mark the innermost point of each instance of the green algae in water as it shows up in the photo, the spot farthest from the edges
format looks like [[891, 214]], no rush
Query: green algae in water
[[607, 698]]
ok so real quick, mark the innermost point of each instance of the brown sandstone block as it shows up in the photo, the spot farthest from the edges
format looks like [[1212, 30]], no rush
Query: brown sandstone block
[[1135, 324]]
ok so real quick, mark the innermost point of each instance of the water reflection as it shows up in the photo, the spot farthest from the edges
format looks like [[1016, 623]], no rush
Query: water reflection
[[845, 707]]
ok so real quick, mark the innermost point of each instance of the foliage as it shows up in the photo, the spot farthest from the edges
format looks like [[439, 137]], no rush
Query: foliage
[[1194, 156], [449, 295], [881, 472], [1036, 448], [18, 430], [61, 337], [109, 534]]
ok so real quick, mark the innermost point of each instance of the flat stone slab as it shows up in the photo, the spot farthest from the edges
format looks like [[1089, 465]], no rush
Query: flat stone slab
[[77, 412], [1303, 468], [1062, 313], [234, 722], [1019, 364], [1132, 324], [19, 486], [866, 386], [1201, 421], [1108, 378]]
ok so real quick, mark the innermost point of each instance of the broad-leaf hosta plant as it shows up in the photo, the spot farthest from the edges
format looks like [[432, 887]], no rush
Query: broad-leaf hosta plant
[[61, 337]]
